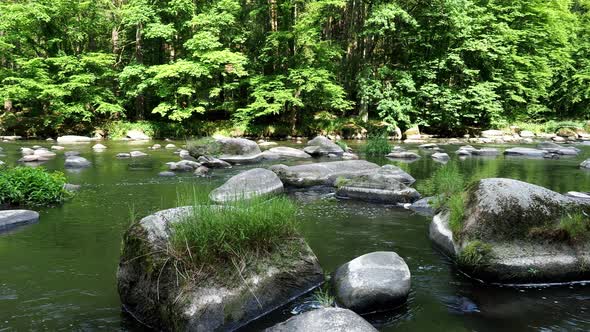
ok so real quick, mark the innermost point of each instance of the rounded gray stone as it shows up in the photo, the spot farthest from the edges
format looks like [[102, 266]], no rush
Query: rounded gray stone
[[13, 218], [325, 320]]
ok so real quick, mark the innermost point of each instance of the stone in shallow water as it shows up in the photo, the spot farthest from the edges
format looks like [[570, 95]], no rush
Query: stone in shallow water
[[377, 281], [98, 147], [485, 152], [585, 164], [123, 155], [167, 174], [441, 157], [13, 218], [137, 135], [76, 162], [71, 153], [248, 184], [383, 185], [526, 152], [73, 139], [286, 152], [213, 162], [320, 173], [137, 154], [325, 320], [403, 155], [322, 146], [150, 291]]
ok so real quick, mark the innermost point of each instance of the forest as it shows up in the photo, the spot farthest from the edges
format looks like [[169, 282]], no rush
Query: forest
[[290, 67]]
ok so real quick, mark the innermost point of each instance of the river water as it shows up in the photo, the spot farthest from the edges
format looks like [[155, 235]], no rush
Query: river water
[[59, 274]]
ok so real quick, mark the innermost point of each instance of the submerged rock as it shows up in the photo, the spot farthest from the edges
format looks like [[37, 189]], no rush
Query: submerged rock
[[383, 185], [558, 149], [441, 157], [511, 233], [325, 320], [149, 289], [423, 206], [71, 153], [585, 164], [183, 165], [98, 147], [72, 187], [212, 162], [402, 155], [248, 184], [123, 155], [73, 139], [322, 146], [76, 162], [485, 152], [136, 154], [167, 174], [320, 173], [14, 218], [378, 281]]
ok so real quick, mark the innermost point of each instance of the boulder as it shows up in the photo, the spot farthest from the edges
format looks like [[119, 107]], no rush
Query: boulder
[[76, 162], [324, 173], [246, 185], [98, 147], [44, 153], [137, 135], [403, 155], [567, 132], [322, 146], [27, 151], [492, 133], [423, 206], [149, 289], [156, 146], [378, 281], [527, 134], [286, 152], [14, 218], [558, 139], [212, 162], [183, 166], [526, 152], [325, 320], [238, 150], [201, 171], [33, 158], [383, 185], [136, 154], [558, 149], [57, 147], [170, 146], [512, 233], [73, 139], [440, 156], [428, 146], [585, 164], [11, 138], [267, 144]]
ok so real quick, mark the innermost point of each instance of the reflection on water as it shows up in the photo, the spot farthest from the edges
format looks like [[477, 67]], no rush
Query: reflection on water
[[59, 274]]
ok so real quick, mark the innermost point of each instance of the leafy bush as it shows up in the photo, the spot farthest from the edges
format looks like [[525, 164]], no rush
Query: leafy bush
[[377, 145], [31, 186], [238, 229]]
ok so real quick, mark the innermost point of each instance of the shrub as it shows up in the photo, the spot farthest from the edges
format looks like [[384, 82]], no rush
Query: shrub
[[475, 255], [31, 186], [377, 145], [238, 230]]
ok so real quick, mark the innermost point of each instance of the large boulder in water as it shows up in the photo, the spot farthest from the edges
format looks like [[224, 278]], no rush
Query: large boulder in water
[[383, 185], [14, 218], [378, 281], [153, 292], [325, 320], [526, 152], [515, 232], [322, 146], [238, 150], [137, 135], [321, 173], [76, 162], [558, 149], [73, 139], [248, 184]]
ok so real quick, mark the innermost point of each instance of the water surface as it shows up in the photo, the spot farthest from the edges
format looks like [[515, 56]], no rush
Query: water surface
[[59, 274]]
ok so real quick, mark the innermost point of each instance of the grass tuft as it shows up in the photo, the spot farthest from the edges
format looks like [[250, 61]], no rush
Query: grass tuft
[[377, 145], [475, 255], [342, 145], [323, 297], [214, 234], [456, 204], [576, 225]]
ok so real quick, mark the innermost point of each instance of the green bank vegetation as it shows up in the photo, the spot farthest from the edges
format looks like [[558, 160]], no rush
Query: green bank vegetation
[[290, 67], [31, 186]]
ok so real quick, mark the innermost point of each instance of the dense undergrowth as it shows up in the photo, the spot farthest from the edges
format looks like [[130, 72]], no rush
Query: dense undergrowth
[[31, 186]]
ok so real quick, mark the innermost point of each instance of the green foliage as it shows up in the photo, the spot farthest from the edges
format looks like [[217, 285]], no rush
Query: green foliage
[[69, 66], [475, 255], [31, 186], [323, 297], [377, 145], [456, 205], [445, 182], [576, 225], [219, 233], [342, 145]]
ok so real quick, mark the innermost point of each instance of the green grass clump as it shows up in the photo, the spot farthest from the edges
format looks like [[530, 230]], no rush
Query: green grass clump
[[576, 225], [456, 204], [377, 145], [475, 255], [444, 183], [236, 231], [31, 186], [323, 297]]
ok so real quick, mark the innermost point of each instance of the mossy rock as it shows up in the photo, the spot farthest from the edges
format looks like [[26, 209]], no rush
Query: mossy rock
[[153, 289], [511, 228]]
